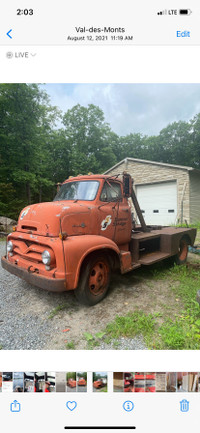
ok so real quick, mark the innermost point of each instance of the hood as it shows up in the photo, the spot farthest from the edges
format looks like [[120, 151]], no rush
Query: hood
[[46, 219]]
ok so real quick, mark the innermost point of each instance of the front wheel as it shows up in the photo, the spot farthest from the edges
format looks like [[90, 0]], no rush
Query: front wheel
[[94, 280], [181, 256]]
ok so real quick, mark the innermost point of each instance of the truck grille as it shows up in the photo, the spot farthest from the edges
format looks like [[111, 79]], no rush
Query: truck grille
[[28, 250]]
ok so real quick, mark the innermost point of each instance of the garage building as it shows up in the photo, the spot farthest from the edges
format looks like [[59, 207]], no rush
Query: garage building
[[167, 193]]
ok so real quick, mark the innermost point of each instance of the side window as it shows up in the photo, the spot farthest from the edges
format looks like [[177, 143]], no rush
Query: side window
[[111, 192]]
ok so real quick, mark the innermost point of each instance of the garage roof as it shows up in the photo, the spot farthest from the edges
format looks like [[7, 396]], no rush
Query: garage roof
[[144, 161]]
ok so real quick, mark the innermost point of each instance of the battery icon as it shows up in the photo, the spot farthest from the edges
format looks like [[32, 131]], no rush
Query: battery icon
[[185, 11]]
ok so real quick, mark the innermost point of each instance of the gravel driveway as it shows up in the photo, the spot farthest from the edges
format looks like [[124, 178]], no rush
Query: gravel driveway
[[20, 326], [31, 318]]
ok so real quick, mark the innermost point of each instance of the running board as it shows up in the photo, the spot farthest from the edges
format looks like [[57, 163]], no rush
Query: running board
[[133, 266], [126, 264], [149, 259]]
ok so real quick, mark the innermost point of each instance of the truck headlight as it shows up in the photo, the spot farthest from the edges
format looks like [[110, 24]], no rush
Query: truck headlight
[[9, 247], [46, 257]]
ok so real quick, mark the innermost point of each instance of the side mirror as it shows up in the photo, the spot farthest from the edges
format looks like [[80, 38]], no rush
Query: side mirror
[[127, 184], [58, 186]]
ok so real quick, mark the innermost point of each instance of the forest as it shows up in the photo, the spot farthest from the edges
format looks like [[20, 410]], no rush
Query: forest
[[41, 146]]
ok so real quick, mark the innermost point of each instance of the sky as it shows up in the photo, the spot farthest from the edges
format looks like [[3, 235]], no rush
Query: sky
[[131, 108]]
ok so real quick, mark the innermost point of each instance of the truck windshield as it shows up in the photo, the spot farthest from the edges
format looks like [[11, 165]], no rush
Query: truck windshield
[[83, 190]]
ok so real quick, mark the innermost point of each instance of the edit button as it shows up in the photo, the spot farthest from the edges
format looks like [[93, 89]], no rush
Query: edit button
[[183, 34]]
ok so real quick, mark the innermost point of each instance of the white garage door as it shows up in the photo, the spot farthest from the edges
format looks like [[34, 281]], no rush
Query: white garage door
[[158, 202]]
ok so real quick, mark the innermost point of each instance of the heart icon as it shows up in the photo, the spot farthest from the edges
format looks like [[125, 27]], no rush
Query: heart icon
[[71, 405]]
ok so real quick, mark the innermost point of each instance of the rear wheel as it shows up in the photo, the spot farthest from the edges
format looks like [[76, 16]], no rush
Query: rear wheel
[[181, 256], [94, 280]]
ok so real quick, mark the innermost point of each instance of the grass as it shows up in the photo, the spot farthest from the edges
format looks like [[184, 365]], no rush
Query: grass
[[174, 327], [92, 340], [132, 324], [103, 389], [69, 307], [184, 331], [70, 345], [57, 309], [195, 225]]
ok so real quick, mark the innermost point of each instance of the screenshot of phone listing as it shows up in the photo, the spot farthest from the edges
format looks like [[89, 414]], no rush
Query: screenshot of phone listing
[[99, 216], [99, 23], [102, 401]]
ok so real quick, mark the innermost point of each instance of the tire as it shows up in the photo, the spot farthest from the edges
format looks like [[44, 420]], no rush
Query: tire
[[94, 280], [181, 256]]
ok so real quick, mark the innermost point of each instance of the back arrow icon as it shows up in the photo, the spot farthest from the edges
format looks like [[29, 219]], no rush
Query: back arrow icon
[[8, 34]]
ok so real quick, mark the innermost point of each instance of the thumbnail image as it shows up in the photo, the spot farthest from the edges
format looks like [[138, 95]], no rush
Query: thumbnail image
[[139, 382], [193, 381], [39, 382], [182, 382], [100, 380], [60, 382], [118, 382], [128, 382], [150, 382], [160, 382], [81, 379], [7, 384], [50, 382], [0, 381], [18, 382], [29, 381], [171, 379], [71, 381]]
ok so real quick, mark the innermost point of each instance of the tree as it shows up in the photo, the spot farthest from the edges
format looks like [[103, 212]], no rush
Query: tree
[[134, 145], [26, 119], [174, 142], [89, 138], [194, 150]]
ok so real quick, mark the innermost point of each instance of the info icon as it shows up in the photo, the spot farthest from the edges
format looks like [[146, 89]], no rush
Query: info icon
[[128, 406]]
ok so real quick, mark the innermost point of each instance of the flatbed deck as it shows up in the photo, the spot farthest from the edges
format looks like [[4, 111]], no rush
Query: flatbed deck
[[139, 235], [153, 246]]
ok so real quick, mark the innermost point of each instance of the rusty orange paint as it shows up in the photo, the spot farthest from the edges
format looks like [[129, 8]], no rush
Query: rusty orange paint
[[71, 383], [98, 383], [82, 382]]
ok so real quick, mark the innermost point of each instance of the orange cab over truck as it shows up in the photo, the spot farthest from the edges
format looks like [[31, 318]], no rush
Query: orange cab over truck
[[75, 241]]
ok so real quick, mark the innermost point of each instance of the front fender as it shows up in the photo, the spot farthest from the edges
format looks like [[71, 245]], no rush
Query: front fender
[[77, 248]]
